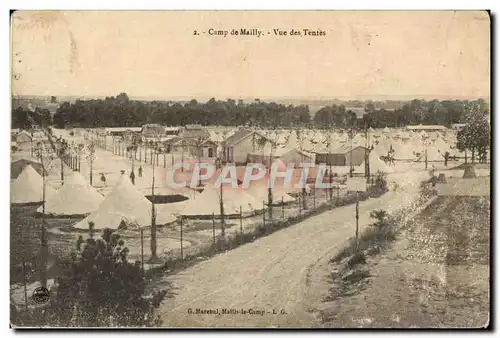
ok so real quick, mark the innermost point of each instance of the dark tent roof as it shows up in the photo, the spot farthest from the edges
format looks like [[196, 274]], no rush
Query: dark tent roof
[[17, 167]]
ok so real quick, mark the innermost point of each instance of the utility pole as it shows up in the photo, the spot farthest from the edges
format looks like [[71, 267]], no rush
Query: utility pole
[[43, 235], [213, 227], [142, 249], [182, 246], [357, 221], [350, 154], [153, 219], [367, 154], [241, 221], [25, 286]]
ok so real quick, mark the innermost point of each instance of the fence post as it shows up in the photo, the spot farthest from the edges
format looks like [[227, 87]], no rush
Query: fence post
[[357, 221], [25, 287], [282, 208], [182, 248], [300, 208], [241, 221], [338, 195], [314, 198], [142, 249], [264, 213], [213, 227]]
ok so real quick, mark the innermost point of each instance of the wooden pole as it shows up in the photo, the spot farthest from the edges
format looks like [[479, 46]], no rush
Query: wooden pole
[[357, 221], [314, 198], [282, 209], [213, 226], [182, 248], [241, 221], [142, 249], [25, 286], [264, 213], [300, 208]]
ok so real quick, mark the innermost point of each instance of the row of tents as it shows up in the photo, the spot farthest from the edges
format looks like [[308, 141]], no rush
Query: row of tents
[[127, 205]]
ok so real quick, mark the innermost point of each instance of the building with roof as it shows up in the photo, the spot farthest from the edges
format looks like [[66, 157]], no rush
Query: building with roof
[[424, 127], [286, 154], [243, 142], [119, 131], [342, 156], [23, 137], [153, 130]]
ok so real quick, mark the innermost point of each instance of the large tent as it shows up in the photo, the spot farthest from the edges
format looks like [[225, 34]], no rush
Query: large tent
[[376, 164], [208, 202], [401, 150], [125, 205], [260, 190], [75, 197], [28, 187], [18, 166]]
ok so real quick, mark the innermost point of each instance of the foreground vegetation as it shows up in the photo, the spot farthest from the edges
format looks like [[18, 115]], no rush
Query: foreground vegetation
[[98, 287]]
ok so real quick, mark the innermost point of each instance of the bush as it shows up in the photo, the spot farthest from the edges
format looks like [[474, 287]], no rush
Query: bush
[[380, 182], [100, 288], [380, 217], [357, 258]]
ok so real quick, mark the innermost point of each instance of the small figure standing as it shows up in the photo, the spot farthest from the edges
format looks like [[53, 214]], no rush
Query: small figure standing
[[140, 171], [132, 177], [446, 157], [103, 179]]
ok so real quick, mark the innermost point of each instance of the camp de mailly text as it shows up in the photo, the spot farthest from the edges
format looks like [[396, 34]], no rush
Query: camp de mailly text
[[259, 32]]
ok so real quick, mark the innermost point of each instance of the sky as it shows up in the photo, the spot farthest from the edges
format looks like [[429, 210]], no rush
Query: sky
[[368, 54]]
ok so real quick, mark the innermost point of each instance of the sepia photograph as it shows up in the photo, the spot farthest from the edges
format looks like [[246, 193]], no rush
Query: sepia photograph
[[250, 169]]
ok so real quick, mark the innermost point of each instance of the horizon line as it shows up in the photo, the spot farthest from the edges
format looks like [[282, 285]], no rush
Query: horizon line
[[282, 98]]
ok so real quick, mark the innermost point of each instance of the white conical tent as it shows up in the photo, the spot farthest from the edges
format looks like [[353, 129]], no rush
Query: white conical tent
[[358, 140], [125, 204], [259, 189], [381, 149], [441, 145], [240, 197], [376, 164], [75, 197], [401, 151], [28, 187], [433, 154], [208, 202]]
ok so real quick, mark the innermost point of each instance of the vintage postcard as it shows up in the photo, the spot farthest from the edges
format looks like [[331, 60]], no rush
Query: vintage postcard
[[250, 169]]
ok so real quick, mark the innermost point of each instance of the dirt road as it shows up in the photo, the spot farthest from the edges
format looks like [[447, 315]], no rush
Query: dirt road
[[269, 276]]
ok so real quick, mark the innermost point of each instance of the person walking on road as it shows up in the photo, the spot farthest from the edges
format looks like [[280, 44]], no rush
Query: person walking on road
[[103, 179], [132, 177], [140, 171]]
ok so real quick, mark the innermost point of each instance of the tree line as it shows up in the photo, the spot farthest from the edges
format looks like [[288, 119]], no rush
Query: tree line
[[120, 111], [414, 112]]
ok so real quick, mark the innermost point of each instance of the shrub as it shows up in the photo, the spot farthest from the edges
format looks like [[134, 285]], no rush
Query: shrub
[[380, 217], [100, 288], [357, 258], [380, 182]]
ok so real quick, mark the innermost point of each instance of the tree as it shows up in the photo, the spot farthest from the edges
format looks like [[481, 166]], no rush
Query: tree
[[46, 159], [62, 152], [301, 139], [198, 142], [100, 288], [220, 162], [475, 135]]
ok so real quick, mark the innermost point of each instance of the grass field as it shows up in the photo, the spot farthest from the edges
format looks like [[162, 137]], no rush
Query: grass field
[[435, 275]]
